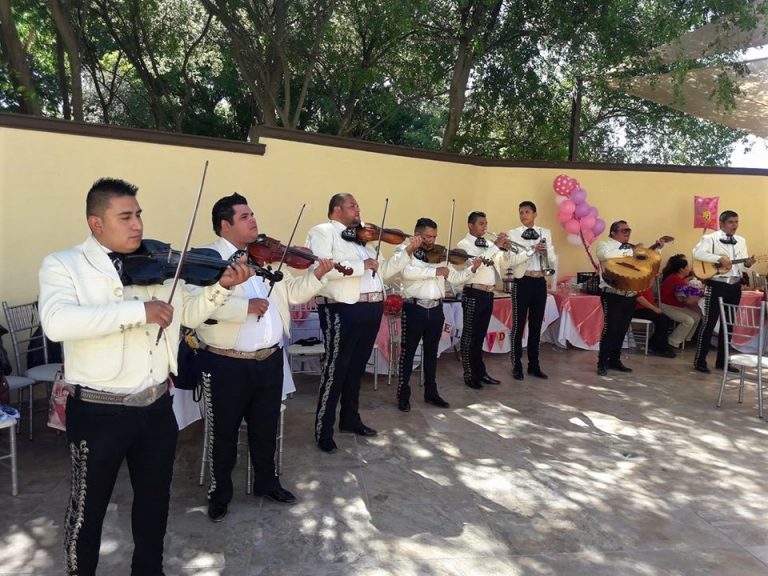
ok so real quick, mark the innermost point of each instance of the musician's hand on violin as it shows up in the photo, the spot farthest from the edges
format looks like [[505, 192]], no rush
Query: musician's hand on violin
[[236, 274], [371, 264], [258, 306], [158, 312], [414, 242], [324, 265], [749, 261], [725, 263], [442, 271], [476, 263]]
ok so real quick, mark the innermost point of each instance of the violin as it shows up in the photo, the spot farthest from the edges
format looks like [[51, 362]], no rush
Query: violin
[[155, 262], [266, 250], [364, 233], [436, 255]]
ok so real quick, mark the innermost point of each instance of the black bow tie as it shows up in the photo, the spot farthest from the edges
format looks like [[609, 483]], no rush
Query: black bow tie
[[117, 261], [481, 243], [530, 234], [239, 254], [625, 246], [728, 240]]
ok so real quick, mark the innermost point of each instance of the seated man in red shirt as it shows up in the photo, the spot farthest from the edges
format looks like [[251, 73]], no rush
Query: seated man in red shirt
[[647, 309]]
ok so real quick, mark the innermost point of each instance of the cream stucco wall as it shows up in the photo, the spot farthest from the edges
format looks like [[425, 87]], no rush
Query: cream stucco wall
[[45, 176]]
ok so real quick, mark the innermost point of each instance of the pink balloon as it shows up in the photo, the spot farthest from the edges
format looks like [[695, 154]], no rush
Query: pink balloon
[[567, 207], [588, 236], [599, 227], [562, 217], [572, 227], [582, 210], [561, 185], [587, 223], [579, 195]]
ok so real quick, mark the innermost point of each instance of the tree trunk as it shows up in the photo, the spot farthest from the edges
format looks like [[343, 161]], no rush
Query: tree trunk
[[573, 143], [72, 46], [457, 94], [17, 61], [61, 71]]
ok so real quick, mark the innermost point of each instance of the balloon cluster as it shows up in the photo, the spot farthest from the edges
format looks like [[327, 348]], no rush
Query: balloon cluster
[[579, 219]]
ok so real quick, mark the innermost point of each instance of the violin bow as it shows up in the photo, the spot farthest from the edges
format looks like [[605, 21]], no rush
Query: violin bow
[[450, 232], [381, 233], [288, 247], [183, 254]]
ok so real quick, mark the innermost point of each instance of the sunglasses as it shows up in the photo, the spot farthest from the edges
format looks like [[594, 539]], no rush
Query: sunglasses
[[624, 230]]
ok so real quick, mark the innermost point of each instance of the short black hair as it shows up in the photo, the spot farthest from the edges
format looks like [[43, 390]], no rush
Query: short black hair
[[615, 226], [475, 216], [527, 204], [337, 200], [224, 209], [422, 223], [102, 191], [725, 214]]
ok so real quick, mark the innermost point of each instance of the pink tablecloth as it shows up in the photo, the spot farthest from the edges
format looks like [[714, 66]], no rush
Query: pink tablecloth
[[745, 339], [581, 319]]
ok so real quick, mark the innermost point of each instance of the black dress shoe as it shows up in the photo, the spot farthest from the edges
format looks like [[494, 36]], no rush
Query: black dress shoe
[[602, 370], [404, 406], [619, 366], [489, 380], [280, 495], [327, 445], [668, 353], [436, 401], [473, 384], [361, 430], [217, 511], [730, 368], [538, 373], [702, 368], [517, 372]]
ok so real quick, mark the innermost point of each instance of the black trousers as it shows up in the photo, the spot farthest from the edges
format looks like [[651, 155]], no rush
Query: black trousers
[[477, 308], [659, 341], [420, 324], [529, 298], [731, 294], [100, 437], [617, 312], [349, 332], [238, 389]]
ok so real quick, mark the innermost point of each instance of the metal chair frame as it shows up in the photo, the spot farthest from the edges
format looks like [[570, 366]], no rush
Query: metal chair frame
[[10, 425], [733, 317]]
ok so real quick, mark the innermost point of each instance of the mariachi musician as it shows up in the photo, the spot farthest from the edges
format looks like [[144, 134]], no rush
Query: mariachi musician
[[529, 289], [618, 304], [729, 251], [350, 309]]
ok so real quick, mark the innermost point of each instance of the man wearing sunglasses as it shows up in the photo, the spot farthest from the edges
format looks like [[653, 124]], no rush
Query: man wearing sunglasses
[[618, 305]]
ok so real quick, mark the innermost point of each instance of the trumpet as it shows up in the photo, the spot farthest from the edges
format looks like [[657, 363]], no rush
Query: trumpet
[[544, 262], [509, 245]]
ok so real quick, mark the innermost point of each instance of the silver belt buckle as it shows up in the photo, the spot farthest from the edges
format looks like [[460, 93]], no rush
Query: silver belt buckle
[[145, 397], [427, 303]]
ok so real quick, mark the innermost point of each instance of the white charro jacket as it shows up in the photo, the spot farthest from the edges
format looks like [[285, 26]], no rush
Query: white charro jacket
[[501, 260], [421, 281], [325, 241], [710, 249], [107, 342], [532, 263], [223, 327]]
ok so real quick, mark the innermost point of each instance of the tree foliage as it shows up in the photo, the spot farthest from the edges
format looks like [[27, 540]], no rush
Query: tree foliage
[[515, 79]]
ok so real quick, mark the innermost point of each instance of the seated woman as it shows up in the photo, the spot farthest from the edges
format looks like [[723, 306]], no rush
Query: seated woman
[[679, 300], [646, 309]]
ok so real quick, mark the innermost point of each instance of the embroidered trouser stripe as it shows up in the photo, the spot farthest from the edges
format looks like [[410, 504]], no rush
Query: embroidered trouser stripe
[[100, 437], [250, 390], [529, 299], [731, 294], [617, 312], [350, 333], [426, 326], [477, 307]]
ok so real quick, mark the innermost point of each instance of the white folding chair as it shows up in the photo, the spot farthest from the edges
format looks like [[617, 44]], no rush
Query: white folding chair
[[640, 330], [23, 321], [10, 425], [305, 327], [743, 321]]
